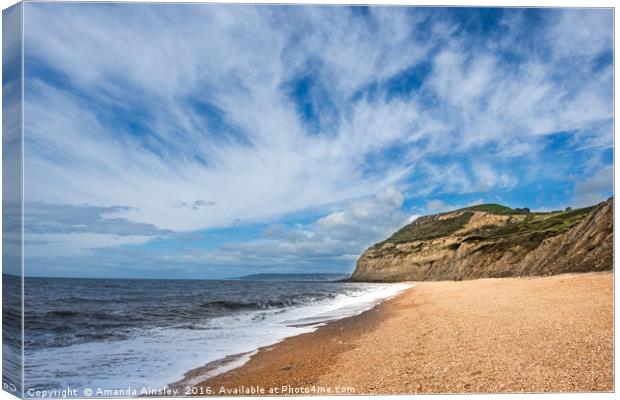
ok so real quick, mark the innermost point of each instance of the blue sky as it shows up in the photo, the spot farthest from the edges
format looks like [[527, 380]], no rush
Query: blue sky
[[209, 141]]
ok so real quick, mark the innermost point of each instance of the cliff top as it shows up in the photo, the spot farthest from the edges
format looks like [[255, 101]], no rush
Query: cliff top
[[488, 221]]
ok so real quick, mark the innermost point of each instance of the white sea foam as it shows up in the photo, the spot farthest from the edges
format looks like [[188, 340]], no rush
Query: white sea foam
[[156, 357]]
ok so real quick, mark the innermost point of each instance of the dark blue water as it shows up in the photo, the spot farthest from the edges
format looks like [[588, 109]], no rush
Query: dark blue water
[[64, 312], [118, 333]]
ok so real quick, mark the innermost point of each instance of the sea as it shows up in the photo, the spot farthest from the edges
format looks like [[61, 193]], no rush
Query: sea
[[120, 333]]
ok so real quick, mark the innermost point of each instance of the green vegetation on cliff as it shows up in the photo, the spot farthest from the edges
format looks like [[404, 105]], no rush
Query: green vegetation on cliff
[[547, 224], [426, 228], [522, 222]]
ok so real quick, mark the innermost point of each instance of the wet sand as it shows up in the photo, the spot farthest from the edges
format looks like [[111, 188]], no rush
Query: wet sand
[[539, 334]]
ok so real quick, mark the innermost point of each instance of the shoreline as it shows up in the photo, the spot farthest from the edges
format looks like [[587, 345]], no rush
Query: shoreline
[[197, 376], [529, 334], [331, 330]]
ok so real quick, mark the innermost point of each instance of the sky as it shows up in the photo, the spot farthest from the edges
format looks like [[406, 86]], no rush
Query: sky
[[213, 141]]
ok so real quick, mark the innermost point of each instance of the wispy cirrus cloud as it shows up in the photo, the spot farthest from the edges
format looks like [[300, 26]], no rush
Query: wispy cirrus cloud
[[197, 117]]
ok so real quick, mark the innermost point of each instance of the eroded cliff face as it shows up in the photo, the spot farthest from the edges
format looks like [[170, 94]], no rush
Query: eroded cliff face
[[493, 241]]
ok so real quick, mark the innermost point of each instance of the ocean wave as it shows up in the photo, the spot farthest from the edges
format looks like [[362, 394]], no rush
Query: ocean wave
[[266, 304], [92, 316]]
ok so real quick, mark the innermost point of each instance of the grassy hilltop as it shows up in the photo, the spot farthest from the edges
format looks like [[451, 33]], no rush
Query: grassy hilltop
[[492, 240]]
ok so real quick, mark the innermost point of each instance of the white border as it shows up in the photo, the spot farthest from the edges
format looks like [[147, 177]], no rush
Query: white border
[[482, 3]]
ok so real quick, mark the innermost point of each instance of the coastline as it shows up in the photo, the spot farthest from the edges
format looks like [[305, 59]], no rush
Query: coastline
[[284, 361], [531, 334], [299, 324]]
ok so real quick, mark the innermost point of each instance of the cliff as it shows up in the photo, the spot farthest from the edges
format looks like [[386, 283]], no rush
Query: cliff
[[491, 240]]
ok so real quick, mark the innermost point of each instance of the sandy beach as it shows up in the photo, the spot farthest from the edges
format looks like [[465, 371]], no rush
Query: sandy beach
[[538, 334]]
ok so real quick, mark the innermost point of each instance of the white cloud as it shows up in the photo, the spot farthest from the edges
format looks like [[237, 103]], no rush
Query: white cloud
[[366, 220], [487, 178], [577, 33], [595, 188], [412, 218], [258, 161], [335, 240], [437, 206]]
